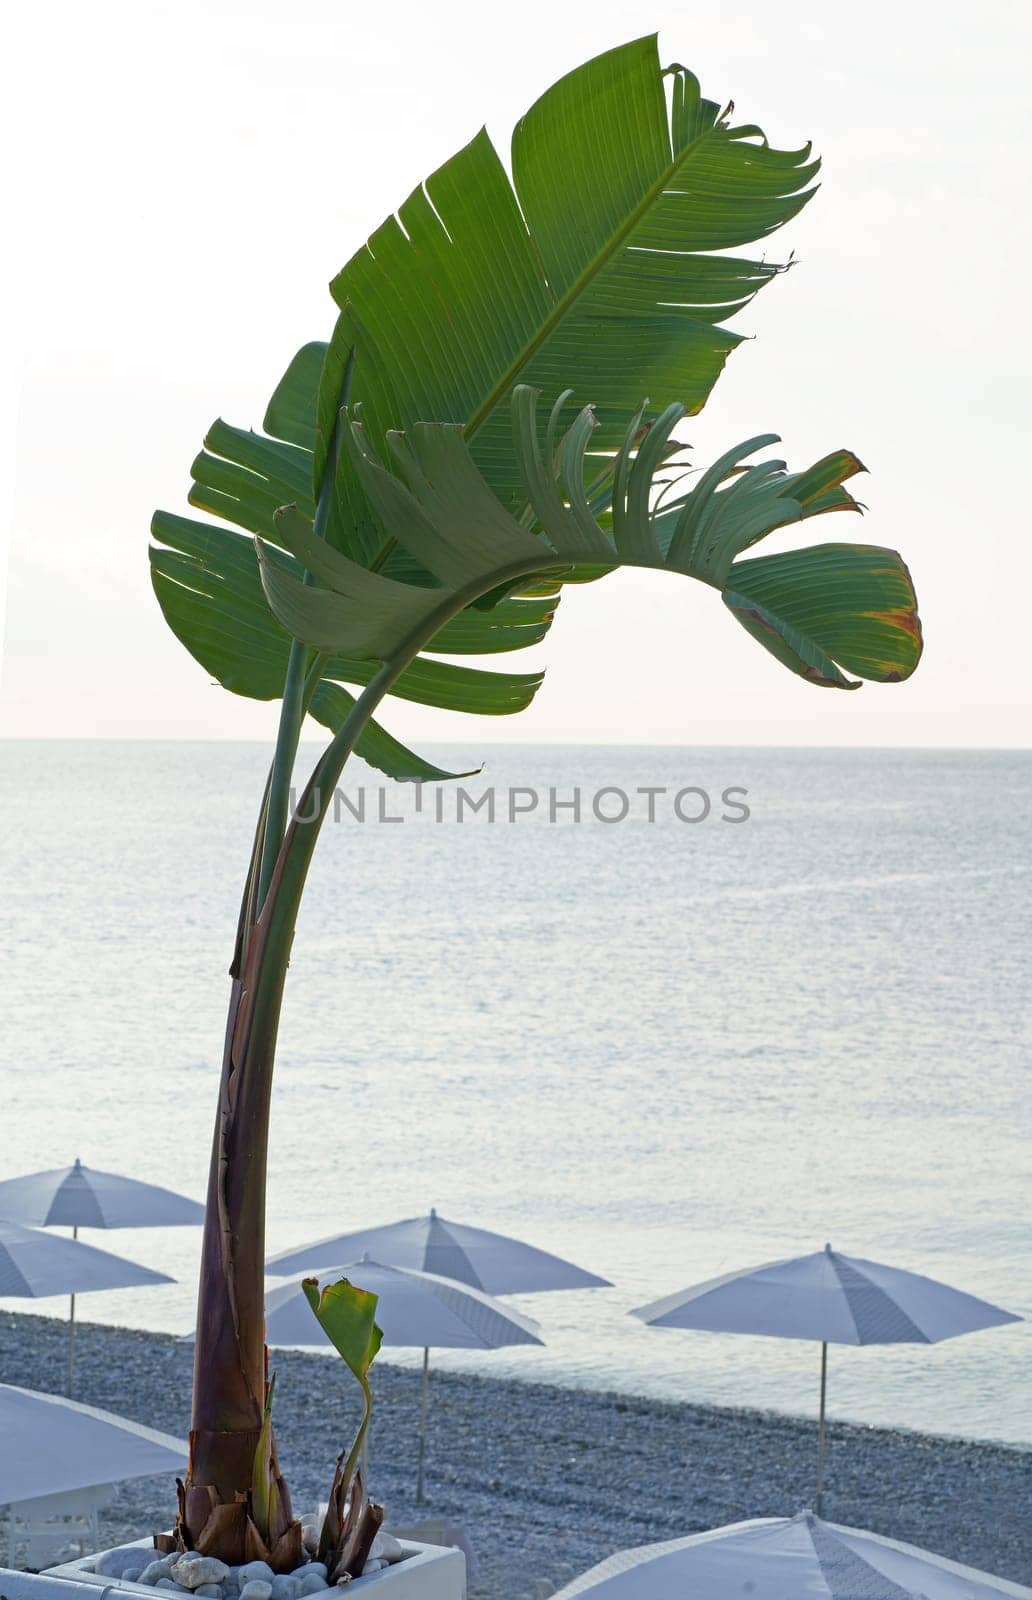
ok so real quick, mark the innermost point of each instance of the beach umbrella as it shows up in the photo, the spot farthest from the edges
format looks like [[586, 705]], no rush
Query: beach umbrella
[[416, 1309], [488, 1261], [81, 1197], [34, 1264], [491, 1262], [829, 1298], [52, 1445], [785, 1558]]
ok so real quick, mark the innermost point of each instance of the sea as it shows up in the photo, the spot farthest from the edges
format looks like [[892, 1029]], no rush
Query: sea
[[666, 1012]]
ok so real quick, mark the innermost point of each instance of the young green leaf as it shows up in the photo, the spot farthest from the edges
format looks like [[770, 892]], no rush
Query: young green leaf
[[347, 1316], [262, 1486]]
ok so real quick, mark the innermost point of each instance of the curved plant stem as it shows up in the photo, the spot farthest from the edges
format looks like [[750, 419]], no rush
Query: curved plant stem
[[230, 1394], [230, 1356], [299, 674], [287, 737]]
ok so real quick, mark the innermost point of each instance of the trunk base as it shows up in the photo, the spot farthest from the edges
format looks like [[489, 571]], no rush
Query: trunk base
[[351, 1524], [229, 1533], [218, 1519]]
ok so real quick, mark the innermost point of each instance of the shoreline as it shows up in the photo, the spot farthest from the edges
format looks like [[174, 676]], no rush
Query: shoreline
[[548, 1480]]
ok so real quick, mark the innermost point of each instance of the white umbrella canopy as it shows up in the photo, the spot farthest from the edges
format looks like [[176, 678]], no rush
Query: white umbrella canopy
[[81, 1197], [786, 1558], [51, 1445], [489, 1261], [829, 1298], [34, 1264], [415, 1309]]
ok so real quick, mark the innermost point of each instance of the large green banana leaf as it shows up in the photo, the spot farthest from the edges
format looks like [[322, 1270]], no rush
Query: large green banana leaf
[[591, 266], [206, 579], [818, 610]]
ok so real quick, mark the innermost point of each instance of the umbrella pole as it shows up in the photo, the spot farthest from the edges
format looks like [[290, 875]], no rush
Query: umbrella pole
[[423, 1398], [71, 1349], [819, 1503], [71, 1337]]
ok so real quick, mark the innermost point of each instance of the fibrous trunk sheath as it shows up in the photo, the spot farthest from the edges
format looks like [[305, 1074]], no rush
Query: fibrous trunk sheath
[[219, 1511]]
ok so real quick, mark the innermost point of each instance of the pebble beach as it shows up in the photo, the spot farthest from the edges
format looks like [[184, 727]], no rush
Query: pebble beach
[[546, 1481]]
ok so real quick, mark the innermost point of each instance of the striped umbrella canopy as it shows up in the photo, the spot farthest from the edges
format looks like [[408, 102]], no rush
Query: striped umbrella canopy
[[829, 1298], [81, 1197], [786, 1558], [489, 1261]]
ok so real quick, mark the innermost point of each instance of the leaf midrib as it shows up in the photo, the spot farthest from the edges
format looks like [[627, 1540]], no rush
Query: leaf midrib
[[564, 305], [580, 284]]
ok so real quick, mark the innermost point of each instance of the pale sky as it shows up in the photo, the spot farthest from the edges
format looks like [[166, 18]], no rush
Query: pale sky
[[189, 176]]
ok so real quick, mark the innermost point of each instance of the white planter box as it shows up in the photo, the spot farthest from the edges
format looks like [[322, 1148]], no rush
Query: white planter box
[[428, 1572]]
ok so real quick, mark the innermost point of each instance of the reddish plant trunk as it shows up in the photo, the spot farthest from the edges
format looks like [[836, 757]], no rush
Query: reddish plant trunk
[[228, 1506], [217, 1514]]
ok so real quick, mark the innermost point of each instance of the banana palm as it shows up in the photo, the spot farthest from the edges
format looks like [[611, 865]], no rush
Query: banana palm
[[411, 501]]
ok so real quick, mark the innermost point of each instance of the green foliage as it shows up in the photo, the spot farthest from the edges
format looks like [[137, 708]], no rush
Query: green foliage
[[263, 1480], [591, 270], [809, 608], [347, 1315]]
